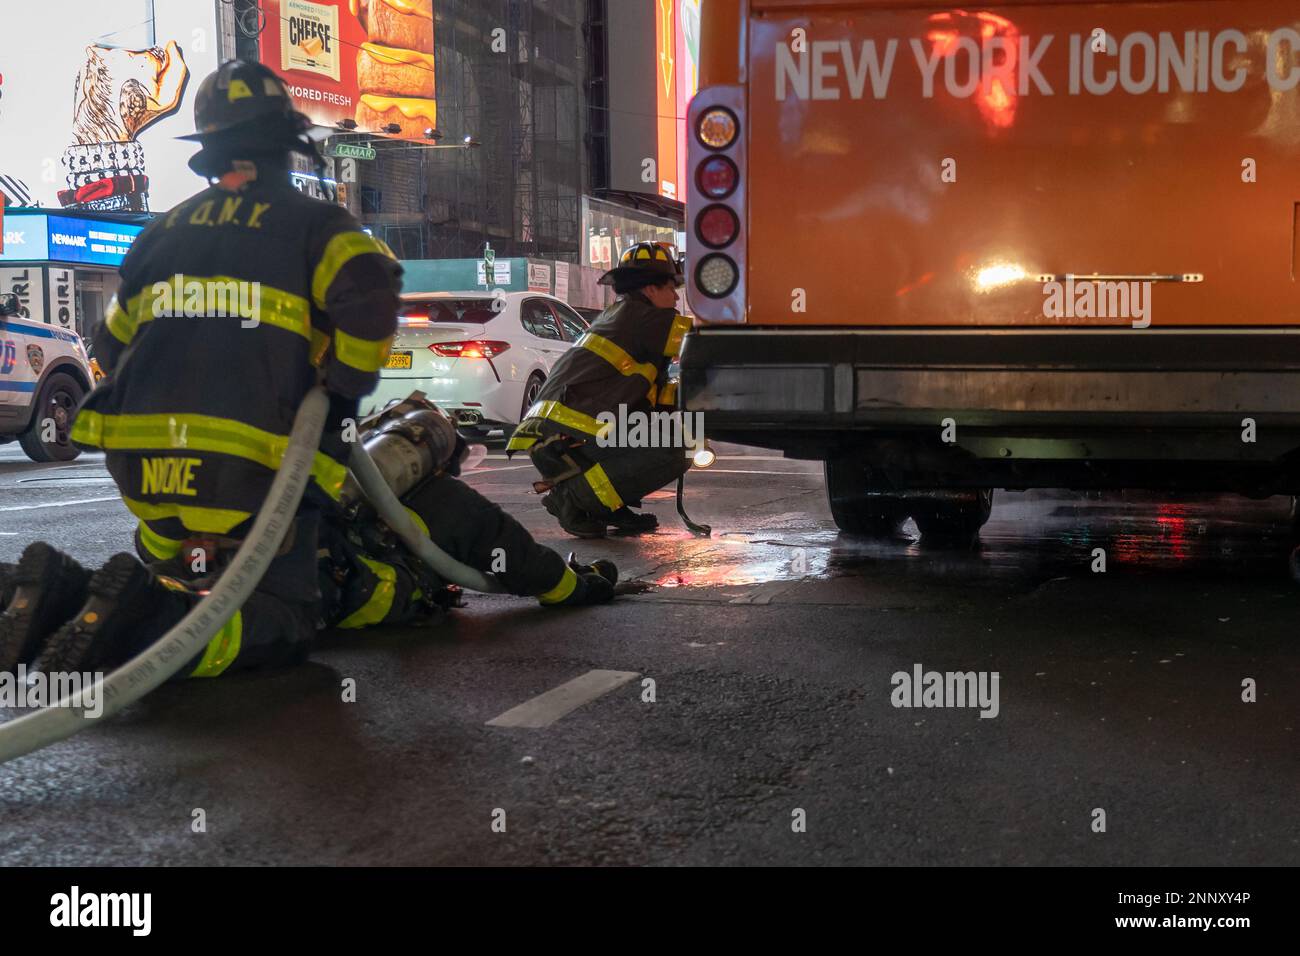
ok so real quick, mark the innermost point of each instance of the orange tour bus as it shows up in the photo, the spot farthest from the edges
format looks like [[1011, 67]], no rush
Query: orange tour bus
[[948, 249]]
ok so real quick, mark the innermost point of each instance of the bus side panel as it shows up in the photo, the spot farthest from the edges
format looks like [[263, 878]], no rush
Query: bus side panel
[[898, 208]]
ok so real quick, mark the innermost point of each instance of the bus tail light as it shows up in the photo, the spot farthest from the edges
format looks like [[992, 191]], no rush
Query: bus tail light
[[716, 207], [717, 227]]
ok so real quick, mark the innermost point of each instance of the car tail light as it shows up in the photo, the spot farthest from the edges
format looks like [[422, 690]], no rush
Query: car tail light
[[717, 128], [717, 226], [717, 177], [716, 275], [475, 348]]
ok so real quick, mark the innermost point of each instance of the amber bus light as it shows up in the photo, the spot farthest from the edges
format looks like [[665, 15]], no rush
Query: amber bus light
[[717, 128]]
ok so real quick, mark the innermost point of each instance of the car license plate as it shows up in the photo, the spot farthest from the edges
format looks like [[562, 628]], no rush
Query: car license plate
[[399, 360]]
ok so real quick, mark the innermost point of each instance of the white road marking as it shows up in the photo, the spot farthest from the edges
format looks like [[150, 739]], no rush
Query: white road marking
[[58, 504], [545, 709], [746, 471], [764, 593], [493, 471]]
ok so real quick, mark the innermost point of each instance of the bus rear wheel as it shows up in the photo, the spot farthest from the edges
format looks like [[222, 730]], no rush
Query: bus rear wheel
[[857, 510], [950, 516]]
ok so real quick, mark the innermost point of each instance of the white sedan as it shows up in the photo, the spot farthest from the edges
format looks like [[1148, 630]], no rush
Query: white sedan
[[483, 361]]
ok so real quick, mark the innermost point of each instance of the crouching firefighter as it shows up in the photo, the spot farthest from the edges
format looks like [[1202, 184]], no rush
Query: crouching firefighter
[[620, 368]]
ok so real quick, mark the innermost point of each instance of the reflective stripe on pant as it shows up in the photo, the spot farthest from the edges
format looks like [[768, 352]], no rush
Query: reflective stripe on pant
[[275, 625], [222, 649]]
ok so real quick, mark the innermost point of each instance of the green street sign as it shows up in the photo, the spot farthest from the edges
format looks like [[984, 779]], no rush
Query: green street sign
[[352, 151], [489, 256]]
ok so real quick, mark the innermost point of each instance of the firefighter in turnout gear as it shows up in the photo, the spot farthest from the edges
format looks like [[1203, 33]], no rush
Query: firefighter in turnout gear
[[619, 367], [231, 308], [368, 577]]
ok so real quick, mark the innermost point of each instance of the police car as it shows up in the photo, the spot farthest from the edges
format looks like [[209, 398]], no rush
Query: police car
[[44, 372]]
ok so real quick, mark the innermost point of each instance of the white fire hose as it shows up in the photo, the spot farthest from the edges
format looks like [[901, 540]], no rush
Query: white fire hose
[[153, 666]]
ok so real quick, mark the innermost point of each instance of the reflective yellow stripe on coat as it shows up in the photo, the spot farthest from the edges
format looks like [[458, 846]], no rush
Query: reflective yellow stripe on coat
[[202, 433], [616, 356], [563, 415]]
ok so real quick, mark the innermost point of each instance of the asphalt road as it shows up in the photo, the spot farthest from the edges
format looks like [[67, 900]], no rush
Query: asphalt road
[[771, 647]]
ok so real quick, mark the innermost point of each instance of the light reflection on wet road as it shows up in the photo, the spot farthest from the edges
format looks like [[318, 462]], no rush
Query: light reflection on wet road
[[1031, 537]]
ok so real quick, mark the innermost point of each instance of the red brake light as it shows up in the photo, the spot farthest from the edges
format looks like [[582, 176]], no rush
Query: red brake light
[[476, 348], [717, 226], [717, 177]]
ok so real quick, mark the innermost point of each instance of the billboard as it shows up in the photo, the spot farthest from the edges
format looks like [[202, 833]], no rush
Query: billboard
[[650, 85], [93, 94], [366, 61], [76, 240]]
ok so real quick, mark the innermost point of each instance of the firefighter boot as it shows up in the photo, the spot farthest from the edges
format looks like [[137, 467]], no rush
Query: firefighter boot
[[47, 588], [595, 583], [571, 517], [606, 569], [628, 522], [128, 608], [591, 588]]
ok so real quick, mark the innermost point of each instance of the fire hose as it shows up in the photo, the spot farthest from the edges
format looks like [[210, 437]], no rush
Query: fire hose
[[156, 664]]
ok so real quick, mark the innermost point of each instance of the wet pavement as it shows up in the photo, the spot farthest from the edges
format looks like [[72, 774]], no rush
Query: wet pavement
[[772, 648]]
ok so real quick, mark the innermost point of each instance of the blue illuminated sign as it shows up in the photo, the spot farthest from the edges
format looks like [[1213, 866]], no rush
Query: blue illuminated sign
[[90, 241], [47, 237], [25, 239]]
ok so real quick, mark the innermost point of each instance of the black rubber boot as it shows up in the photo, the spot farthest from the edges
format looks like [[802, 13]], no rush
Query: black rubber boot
[[572, 518], [628, 522], [591, 589], [48, 587], [128, 608], [606, 569]]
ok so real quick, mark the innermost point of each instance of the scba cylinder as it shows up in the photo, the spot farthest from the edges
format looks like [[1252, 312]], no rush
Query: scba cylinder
[[406, 449]]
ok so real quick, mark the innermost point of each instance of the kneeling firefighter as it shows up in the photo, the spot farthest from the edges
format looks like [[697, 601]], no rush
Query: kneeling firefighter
[[201, 390], [619, 366], [231, 308]]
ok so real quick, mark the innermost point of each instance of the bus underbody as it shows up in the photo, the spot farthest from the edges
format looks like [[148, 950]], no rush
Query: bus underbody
[[915, 420]]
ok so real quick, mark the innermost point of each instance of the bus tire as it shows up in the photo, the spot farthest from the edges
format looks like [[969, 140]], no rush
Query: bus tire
[[951, 516], [856, 510]]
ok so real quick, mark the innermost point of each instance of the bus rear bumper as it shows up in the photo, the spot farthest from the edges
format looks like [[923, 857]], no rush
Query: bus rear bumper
[[1038, 408]]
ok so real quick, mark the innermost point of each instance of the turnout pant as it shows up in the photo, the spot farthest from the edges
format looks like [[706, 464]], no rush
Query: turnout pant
[[477, 532], [368, 585], [602, 480], [275, 625]]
